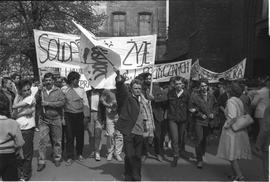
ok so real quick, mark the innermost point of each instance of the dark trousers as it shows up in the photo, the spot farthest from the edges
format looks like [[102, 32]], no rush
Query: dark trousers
[[8, 167], [158, 136], [178, 130], [201, 140], [25, 165], [75, 130], [133, 152], [64, 136]]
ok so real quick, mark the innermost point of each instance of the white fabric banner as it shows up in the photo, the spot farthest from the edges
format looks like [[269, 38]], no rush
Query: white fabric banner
[[234, 73], [162, 72], [93, 57], [125, 53]]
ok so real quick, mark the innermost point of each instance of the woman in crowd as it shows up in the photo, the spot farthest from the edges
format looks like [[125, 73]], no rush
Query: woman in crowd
[[234, 145], [11, 142], [114, 137], [76, 111], [24, 112]]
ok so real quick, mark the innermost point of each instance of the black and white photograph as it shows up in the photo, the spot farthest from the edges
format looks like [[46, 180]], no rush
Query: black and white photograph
[[135, 90]]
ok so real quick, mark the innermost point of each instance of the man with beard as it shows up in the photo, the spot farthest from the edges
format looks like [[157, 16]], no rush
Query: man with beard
[[204, 106], [52, 101]]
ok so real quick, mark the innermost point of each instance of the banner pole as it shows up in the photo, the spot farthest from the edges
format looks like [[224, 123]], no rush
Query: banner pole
[[151, 85]]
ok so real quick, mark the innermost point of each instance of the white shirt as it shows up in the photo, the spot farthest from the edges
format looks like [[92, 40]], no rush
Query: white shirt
[[94, 101], [81, 92], [27, 122], [261, 101], [179, 93]]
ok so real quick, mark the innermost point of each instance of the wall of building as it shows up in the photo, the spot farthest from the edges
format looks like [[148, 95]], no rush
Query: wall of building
[[132, 10]]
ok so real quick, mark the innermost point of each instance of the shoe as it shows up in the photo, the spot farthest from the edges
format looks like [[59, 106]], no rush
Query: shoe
[[143, 158], [199, 165], [92, 155], [118, 158], [109, 157], [159, 158], [174, 162], [239, 178], [97, 156], [204, 159], [69, 162], [41, 167], [57, 163], [80, 158], [22, 179]]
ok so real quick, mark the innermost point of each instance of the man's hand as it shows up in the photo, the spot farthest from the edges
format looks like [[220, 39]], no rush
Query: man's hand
[[204, 116], [192, 110], [211, 116], [44, 103], [116, 70]]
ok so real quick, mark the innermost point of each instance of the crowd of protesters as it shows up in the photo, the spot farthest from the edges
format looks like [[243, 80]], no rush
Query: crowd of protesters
[[135, 117]]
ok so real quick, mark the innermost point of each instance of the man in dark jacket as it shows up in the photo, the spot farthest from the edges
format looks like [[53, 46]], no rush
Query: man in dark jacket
[[131, 125], [204, 106], [178, 99]]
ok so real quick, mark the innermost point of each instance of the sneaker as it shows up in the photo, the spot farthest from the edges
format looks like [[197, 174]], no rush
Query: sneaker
[[97, 156], [159, 158], [109, 157], [174, 162], [199, 165], [57, 163], [144, 158], [80, 158], [41, 167], [69, 162], [118, 158], [92, 155]]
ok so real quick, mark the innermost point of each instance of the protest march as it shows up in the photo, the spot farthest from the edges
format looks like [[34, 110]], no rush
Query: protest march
[[113, 87]]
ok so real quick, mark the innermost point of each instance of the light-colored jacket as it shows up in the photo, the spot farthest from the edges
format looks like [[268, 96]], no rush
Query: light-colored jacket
[[261, 101]]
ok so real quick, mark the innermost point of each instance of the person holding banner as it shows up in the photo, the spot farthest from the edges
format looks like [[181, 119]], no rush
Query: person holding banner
[[77, 113], [131, 124], [178, 99], [203, 105], [52, 100]]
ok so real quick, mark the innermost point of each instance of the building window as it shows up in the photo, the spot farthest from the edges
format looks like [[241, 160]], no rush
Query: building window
[[119, 23], [145, 23]]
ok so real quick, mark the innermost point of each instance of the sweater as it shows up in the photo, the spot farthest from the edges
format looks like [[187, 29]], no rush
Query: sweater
[[10, 135]]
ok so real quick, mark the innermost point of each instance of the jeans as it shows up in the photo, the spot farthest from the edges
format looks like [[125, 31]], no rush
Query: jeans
[[50, 129], [133, 152], [75, 130], [177, 130], [8, 167], [25, 164], [201, 140], [114, 138], [94, 130]]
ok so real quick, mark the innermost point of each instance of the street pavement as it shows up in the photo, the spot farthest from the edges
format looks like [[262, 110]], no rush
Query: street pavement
[[214, 169]]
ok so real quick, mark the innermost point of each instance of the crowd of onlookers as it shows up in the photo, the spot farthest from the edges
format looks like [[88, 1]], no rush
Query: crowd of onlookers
[[135, 117]]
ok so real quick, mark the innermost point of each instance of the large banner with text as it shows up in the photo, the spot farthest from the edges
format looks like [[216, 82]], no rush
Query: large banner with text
[[234, 73], [93, 57]]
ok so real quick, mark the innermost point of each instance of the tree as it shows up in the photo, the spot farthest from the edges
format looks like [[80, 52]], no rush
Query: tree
[[19, 18]]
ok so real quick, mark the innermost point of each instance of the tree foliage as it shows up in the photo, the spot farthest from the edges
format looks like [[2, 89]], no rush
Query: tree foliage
[[19, 18]]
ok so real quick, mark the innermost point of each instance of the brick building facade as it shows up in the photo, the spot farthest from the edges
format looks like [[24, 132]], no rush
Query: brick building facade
[[220, 33], [133, 18]]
